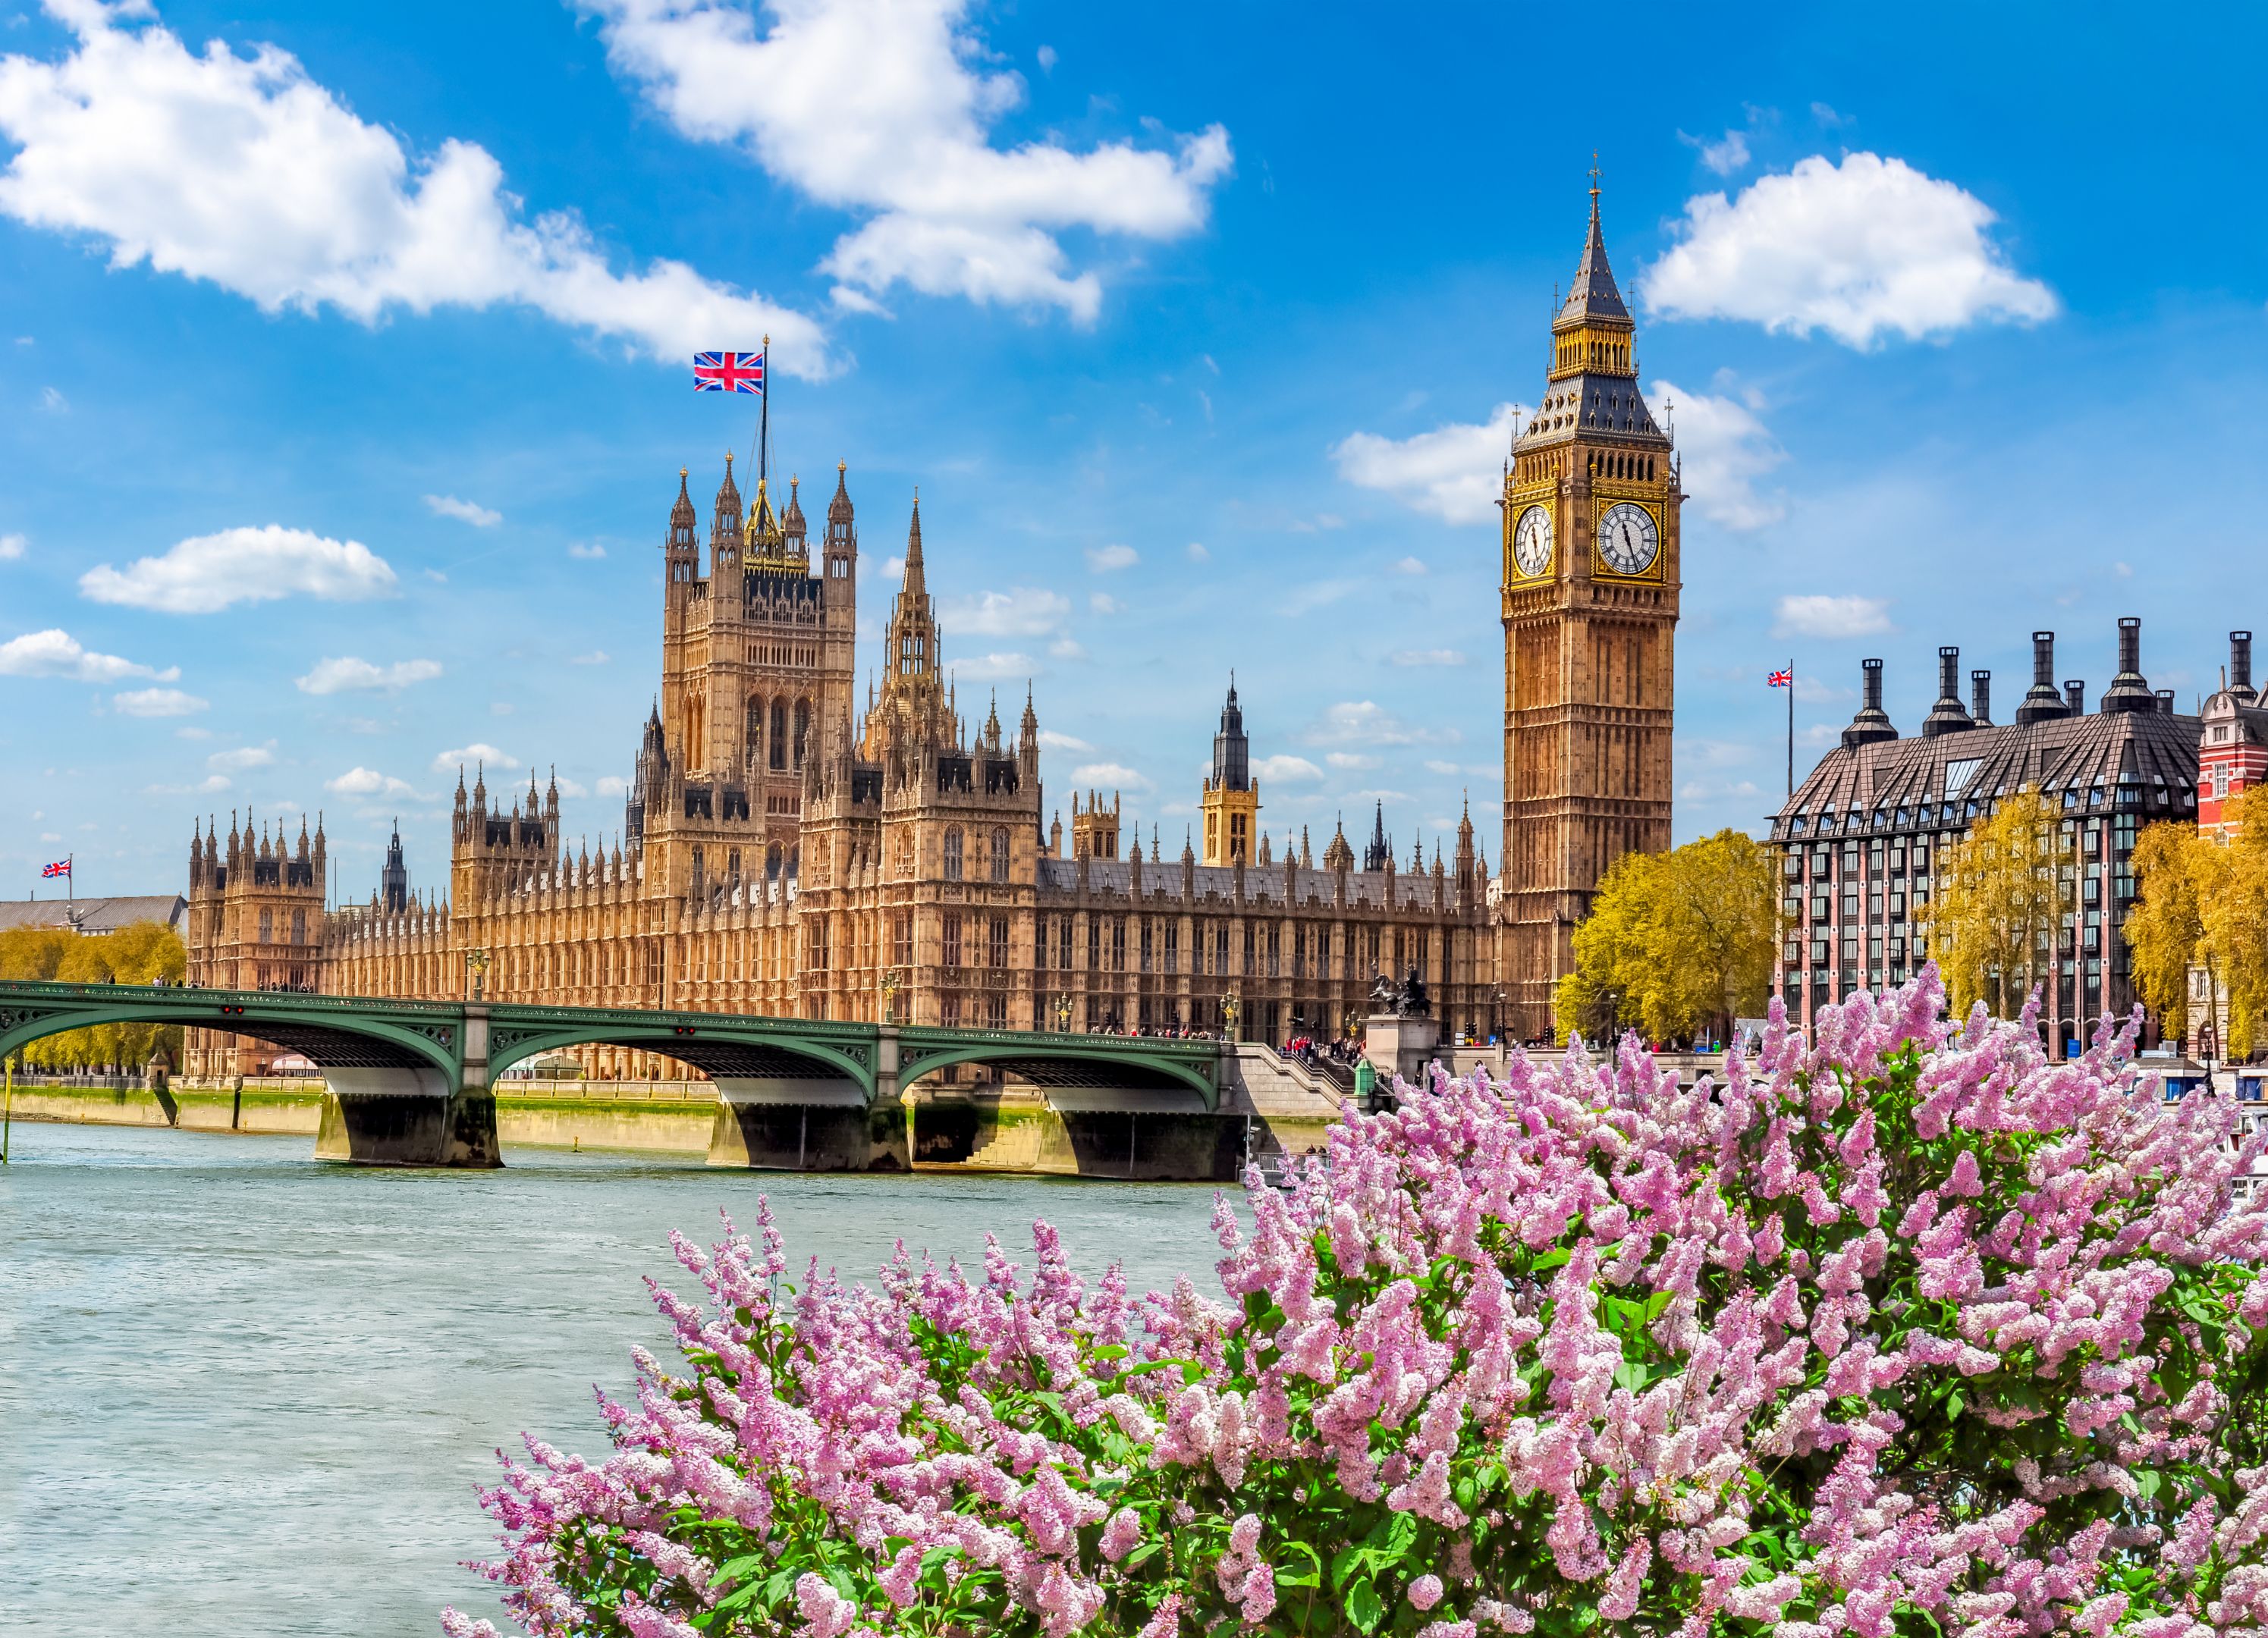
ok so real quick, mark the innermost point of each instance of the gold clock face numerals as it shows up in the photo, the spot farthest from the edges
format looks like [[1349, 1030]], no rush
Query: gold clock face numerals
[[1531, 541], [1629, 539]]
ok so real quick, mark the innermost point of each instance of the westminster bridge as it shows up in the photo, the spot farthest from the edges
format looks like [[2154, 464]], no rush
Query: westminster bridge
[[411, 1083]]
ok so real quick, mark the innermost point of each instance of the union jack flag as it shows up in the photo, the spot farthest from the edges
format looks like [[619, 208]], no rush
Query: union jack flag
[[1780, 680], [61, 867], [728, 372]]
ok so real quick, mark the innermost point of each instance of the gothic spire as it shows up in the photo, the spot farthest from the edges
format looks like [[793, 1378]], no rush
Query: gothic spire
[[1593, 295], [916, 582], [838, 510]]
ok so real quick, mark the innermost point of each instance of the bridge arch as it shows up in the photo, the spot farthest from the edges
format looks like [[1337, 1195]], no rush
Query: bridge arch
[[1050, 1062], [335, 1038], [722, 1047]]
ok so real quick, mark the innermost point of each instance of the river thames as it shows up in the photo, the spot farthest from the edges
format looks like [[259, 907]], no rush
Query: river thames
[[241, 1391]]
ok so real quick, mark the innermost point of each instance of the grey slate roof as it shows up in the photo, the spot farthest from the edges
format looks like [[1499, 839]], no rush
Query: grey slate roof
[[1938, 781], [92, 916]]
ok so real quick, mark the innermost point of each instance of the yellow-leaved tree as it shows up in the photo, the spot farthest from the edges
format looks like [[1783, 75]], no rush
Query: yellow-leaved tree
[[1991, 924], [137, 953], [1677, 945], [2180, 873], [2235, 917]]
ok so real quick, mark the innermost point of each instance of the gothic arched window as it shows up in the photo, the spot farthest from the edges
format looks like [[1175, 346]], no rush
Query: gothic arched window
[[299, 927], [756, 728], [953, 852], [267, 927], [999, 853], [772, 862], [779, 734], [802, 729]]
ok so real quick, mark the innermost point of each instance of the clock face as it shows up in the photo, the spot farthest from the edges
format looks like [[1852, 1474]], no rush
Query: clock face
[[1531, 541], [1628, 540]]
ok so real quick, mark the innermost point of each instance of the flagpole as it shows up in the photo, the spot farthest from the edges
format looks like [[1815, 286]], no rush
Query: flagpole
[[1791, 725], [764, 417]]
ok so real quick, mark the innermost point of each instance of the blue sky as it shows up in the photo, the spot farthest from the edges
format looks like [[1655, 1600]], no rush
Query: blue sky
[[342, 386]]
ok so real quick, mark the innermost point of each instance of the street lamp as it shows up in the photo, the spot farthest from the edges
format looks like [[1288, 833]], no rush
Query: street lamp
[[1063, 1014], [890, 981], [1496, 1019], [1231, 1005], [476, 970]]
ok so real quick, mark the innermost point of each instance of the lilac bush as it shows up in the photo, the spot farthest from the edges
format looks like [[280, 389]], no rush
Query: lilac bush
[[1904, 1329]]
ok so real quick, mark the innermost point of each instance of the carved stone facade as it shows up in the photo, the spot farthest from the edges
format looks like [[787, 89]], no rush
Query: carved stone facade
[[1590, 597], [780, 857]]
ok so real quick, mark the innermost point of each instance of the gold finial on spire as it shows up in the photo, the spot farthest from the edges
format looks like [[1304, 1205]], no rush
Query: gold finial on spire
[[1596, 174]]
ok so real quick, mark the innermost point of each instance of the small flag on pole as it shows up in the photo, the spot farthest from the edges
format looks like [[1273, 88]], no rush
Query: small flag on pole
[[1780, 680], [61, 867], [728, 372]]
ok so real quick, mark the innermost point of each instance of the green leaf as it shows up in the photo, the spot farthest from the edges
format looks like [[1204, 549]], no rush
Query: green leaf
[[1363, 1607]]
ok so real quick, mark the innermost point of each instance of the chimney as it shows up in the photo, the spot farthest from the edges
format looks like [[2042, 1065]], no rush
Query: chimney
[[2240, 665], [2128, 690], [2166, 701], [1947, 717], [1871, 724], [2042, 702], [1980, 697], [2074, 697]]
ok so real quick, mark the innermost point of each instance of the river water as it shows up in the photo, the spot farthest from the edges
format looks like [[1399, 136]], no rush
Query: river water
[[243, 1392]]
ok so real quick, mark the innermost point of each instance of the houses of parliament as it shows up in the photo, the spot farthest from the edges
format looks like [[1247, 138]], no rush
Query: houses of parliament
[[788, 848]]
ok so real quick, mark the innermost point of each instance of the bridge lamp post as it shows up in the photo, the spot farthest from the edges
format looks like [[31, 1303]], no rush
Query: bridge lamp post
[[890, 981], [1231, 1005], [476, 971], [1063, 1014]]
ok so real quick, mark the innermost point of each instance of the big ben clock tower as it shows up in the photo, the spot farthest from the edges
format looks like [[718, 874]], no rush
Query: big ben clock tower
[[1590, 610]]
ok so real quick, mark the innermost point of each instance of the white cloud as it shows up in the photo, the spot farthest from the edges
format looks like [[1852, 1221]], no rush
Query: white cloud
[[240, 759], [1364, 722], [242, 171], [1827, 117], [350, 675], [614, 785], [465, 511], [1018, 612], [596, 656], [1408, 566], [205, 787], [1106, 559], [12, 547], [1345, 760], [1116, 776], [51, 399], [1724, 449], [588, 550], [1197, 552], [1103, 603], [1286, 769], [992, 667], [159, 703], [1728, 154], [1426, 657], [54, 653], [1817, 616], [367, 782], [192, 733], [208, 572], [479, 752], [1454, 473], [1047, 58], [571, 788], [883, 105], [1051, 740], [1859, 250]]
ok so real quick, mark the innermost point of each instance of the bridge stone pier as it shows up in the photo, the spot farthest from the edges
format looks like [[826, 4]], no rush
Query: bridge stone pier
[[406, 1117]]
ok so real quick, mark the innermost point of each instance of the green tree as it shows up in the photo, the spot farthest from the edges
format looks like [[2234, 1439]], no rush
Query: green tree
[[1992, 923], [1678, 943]]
